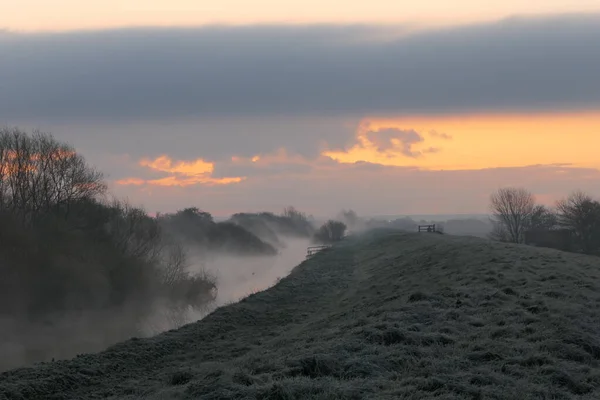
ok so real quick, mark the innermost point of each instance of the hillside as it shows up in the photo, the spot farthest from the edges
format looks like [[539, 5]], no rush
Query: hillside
[[391, 315]]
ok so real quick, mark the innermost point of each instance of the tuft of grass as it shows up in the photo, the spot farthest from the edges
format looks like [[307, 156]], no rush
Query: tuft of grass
[[181, 378]]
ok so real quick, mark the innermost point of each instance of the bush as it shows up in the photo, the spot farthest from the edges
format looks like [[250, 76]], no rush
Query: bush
[[580, 214], [330, 232]]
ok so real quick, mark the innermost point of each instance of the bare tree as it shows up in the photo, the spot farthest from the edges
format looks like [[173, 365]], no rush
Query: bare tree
[[39, 174], [512, 209], [580, 213], [299, 220]]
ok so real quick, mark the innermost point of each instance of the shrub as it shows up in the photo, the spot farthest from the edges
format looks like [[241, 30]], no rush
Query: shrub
[[330, 232]]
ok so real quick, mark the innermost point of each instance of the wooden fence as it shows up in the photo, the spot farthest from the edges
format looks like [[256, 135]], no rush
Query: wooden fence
[[427, 228], [312, 250]]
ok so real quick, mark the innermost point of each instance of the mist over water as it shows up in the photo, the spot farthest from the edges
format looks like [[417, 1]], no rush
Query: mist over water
[[237, 277], [24, 343]]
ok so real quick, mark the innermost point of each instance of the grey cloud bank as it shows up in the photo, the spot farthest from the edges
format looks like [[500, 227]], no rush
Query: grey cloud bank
[[211, 138], [521, 64]]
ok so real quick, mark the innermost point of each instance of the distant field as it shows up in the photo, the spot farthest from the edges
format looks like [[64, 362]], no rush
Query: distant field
[[384, 316]]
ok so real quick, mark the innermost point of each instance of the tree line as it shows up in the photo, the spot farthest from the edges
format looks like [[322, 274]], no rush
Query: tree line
[[80, 270], [71, 253], [573, 223]]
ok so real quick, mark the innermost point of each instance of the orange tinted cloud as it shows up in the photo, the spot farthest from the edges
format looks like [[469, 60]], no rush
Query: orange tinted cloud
[[279, 163], [165, 164], [482, 141], [181, 173], [131, 181], [389, 145]]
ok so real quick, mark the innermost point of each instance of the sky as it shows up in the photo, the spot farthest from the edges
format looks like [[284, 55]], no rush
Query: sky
[[388, 108]]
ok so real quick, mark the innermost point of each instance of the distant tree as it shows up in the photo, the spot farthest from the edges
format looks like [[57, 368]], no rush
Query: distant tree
[[293, 214], [198, 229], [512, 209], [298, 221], [581, 214], [259, 226], [330, 232], [542, 218], [188, 224], [349, 217]]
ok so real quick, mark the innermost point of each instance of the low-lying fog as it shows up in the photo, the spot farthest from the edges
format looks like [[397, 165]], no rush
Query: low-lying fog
[[237, 277], [63, 336]]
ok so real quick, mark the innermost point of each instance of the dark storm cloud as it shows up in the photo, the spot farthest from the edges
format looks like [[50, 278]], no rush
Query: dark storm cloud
[[141, 74]]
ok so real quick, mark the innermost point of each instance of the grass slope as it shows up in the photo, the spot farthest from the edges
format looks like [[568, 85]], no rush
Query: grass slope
[[398, 316]]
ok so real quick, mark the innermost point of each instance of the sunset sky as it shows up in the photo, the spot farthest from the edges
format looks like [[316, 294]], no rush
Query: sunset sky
[[385, 107]]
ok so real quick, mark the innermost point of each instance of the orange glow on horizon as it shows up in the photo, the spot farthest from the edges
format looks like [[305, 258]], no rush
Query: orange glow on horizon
[[433, 143], [482, 141], [61, 15]]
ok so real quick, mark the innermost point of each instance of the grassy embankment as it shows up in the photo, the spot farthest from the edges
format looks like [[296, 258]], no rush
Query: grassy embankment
[[386, 316]]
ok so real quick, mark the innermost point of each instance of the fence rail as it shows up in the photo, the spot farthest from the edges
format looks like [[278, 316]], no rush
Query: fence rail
[[312, 250], [427, 228]]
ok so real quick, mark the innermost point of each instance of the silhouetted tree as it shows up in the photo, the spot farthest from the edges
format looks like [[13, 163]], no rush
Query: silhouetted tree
[[330, 232], [39, 174], [542, 218], [512, 209], [581, 214], [298, 220], [198, 228]]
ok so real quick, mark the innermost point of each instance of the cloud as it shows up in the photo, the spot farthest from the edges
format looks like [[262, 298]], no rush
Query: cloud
[[394, 139], [267, 165], [165, 164], [208, 138], [547, 63], [440, 135], [385, 146], [181, 173]]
